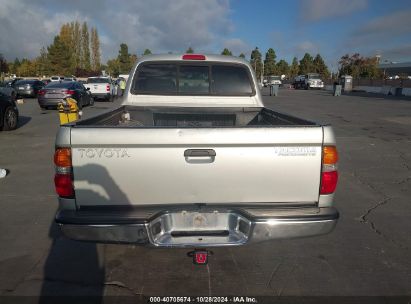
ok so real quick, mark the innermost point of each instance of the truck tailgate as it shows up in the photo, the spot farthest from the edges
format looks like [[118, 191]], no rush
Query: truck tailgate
[[98, 88], [148, 166]]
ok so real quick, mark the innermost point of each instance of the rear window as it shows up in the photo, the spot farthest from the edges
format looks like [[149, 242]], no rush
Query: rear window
[[192, 79], [22, 82], [314, 76], [231, 80], [55, 84], [152, 78], [98, 80]]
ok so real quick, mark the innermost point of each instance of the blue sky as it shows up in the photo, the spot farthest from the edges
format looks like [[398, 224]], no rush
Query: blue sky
[[329, 27]]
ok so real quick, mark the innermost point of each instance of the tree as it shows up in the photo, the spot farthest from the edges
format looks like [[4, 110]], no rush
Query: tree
[[4, 68], [27, 68], [147, 52], [59, 57], [320, 67], [283, 68], [256, 62], [269, 63], [85, 48], [95, 50], [76, 37], [242, 55], [306, 64], [190, 50], [294, 69], [66, 37], [113, 67], [43, 63], [124, 61], [226, 52], [359, 67], [133, 59]]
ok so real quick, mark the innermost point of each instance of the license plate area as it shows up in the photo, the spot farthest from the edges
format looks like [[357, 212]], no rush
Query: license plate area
[[199, 229]]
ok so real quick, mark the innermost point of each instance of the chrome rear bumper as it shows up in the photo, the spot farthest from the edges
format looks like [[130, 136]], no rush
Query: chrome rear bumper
[[209, 227]]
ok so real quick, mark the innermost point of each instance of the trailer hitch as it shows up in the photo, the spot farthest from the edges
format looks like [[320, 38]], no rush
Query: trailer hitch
[[200, 256]]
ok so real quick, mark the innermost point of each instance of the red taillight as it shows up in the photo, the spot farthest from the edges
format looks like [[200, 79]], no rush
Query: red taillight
[[194, 57], [108, 88], [64, 185], [69, 92], [41, 93], [329, 174], [329, 182], [63, 180]]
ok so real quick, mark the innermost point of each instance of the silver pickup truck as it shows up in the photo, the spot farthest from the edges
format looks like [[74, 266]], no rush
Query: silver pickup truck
[[192, 158]]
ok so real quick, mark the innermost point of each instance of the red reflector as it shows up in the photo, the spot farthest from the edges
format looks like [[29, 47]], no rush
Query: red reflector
[[108, 88], [329, 182], [64, 185], [200, 257], [194, 57]]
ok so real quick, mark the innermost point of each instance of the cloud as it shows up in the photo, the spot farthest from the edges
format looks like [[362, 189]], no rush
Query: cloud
[[315, 10], [388, 35], [384, 28], [237, 46], [306, 47], [161, 25], [399, 53]]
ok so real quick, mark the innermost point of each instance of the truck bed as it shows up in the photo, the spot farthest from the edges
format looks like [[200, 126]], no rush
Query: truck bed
[[163, 117]]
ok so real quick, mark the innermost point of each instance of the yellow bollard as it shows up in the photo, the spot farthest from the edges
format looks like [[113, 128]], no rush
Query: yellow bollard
[[68, 111]]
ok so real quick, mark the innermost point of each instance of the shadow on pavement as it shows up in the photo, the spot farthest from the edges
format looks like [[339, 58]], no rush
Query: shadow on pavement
[[75, 268], [23, 120], [72, 269]]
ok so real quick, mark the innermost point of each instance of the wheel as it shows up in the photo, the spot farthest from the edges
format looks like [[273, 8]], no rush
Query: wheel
[[10, 119], [91, 102], [79, 105]]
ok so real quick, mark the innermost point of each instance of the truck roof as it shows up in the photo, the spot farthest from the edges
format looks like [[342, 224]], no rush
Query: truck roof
[[179, 57]]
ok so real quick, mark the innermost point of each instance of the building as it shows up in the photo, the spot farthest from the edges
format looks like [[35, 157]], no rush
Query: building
[[393, 69]]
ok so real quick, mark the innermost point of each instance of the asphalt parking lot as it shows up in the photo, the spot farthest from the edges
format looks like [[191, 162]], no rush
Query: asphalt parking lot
[[367, 255]]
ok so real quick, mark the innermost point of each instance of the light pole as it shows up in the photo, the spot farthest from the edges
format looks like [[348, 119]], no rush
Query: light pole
[[262, 72]]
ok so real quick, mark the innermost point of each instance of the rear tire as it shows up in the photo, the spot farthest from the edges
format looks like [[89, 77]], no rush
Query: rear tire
[[79, 105], [10, 119]]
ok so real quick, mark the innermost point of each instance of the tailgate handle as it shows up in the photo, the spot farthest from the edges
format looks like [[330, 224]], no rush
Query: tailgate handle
[[199, 153]]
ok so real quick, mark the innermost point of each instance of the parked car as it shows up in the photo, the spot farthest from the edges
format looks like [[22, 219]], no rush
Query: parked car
[[8, 90], [56, 78], [101, 88], [70, 78], [12, 81], [193, 158], [9, 114], [55, 92], [274, 80], [308, 81], [28, 87]]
